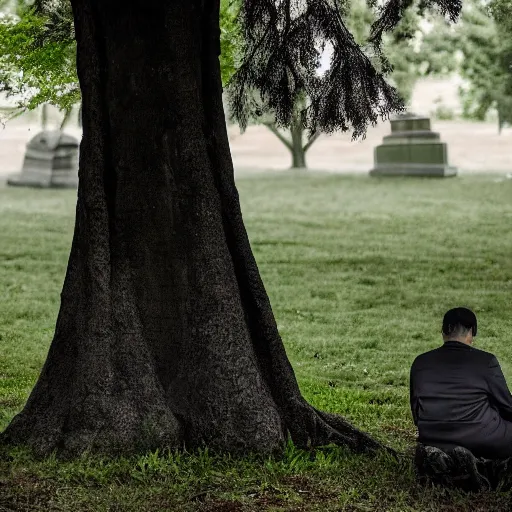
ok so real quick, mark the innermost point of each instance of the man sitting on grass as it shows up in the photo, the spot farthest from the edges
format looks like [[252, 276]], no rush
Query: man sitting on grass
[[458, 393]]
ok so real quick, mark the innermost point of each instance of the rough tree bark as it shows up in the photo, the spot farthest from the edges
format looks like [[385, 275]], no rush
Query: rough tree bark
[[165, 335]]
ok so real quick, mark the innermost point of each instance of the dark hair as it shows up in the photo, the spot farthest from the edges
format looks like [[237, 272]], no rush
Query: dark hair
[[458, 321]]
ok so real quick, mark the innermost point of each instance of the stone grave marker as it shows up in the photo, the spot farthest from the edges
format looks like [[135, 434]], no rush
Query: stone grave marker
[[412, 149], [51, 160]]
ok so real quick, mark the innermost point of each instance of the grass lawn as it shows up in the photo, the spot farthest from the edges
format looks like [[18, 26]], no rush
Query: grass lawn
[[359, 272]]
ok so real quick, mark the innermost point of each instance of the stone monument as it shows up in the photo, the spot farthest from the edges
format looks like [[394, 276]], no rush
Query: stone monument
[[51, 160], [412, 149]]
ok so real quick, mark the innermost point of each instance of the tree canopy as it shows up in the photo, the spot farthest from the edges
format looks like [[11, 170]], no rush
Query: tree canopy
[[38, 52], [269, 47], [38, 55]]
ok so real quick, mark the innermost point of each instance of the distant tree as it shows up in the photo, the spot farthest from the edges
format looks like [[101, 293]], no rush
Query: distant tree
[[411, 50], [295, 137], [501, 10], [486, 45]]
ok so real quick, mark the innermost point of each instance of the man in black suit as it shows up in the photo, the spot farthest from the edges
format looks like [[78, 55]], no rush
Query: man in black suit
[[458, 393]]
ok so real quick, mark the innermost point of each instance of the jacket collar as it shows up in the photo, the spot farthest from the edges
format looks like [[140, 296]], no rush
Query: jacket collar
[[456, 344]]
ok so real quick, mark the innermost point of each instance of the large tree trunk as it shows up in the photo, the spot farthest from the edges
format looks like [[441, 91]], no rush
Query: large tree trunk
[[165, 334]]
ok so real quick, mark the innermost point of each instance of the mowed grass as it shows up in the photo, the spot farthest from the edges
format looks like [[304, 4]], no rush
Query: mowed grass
[[359, 272]]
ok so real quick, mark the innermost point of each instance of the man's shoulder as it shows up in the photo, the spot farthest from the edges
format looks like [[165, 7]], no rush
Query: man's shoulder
[[472, 353], [427, 355], [483, 355]]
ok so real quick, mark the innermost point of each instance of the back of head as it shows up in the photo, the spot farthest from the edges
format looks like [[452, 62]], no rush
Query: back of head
[[458, 322]]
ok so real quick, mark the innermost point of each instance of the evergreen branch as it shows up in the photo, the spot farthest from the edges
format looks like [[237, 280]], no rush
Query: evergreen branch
[[279, 135], [393, 11], [311, 141], [281, 59]]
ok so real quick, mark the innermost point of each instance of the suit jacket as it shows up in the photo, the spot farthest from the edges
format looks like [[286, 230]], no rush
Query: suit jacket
[[459, 396]]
